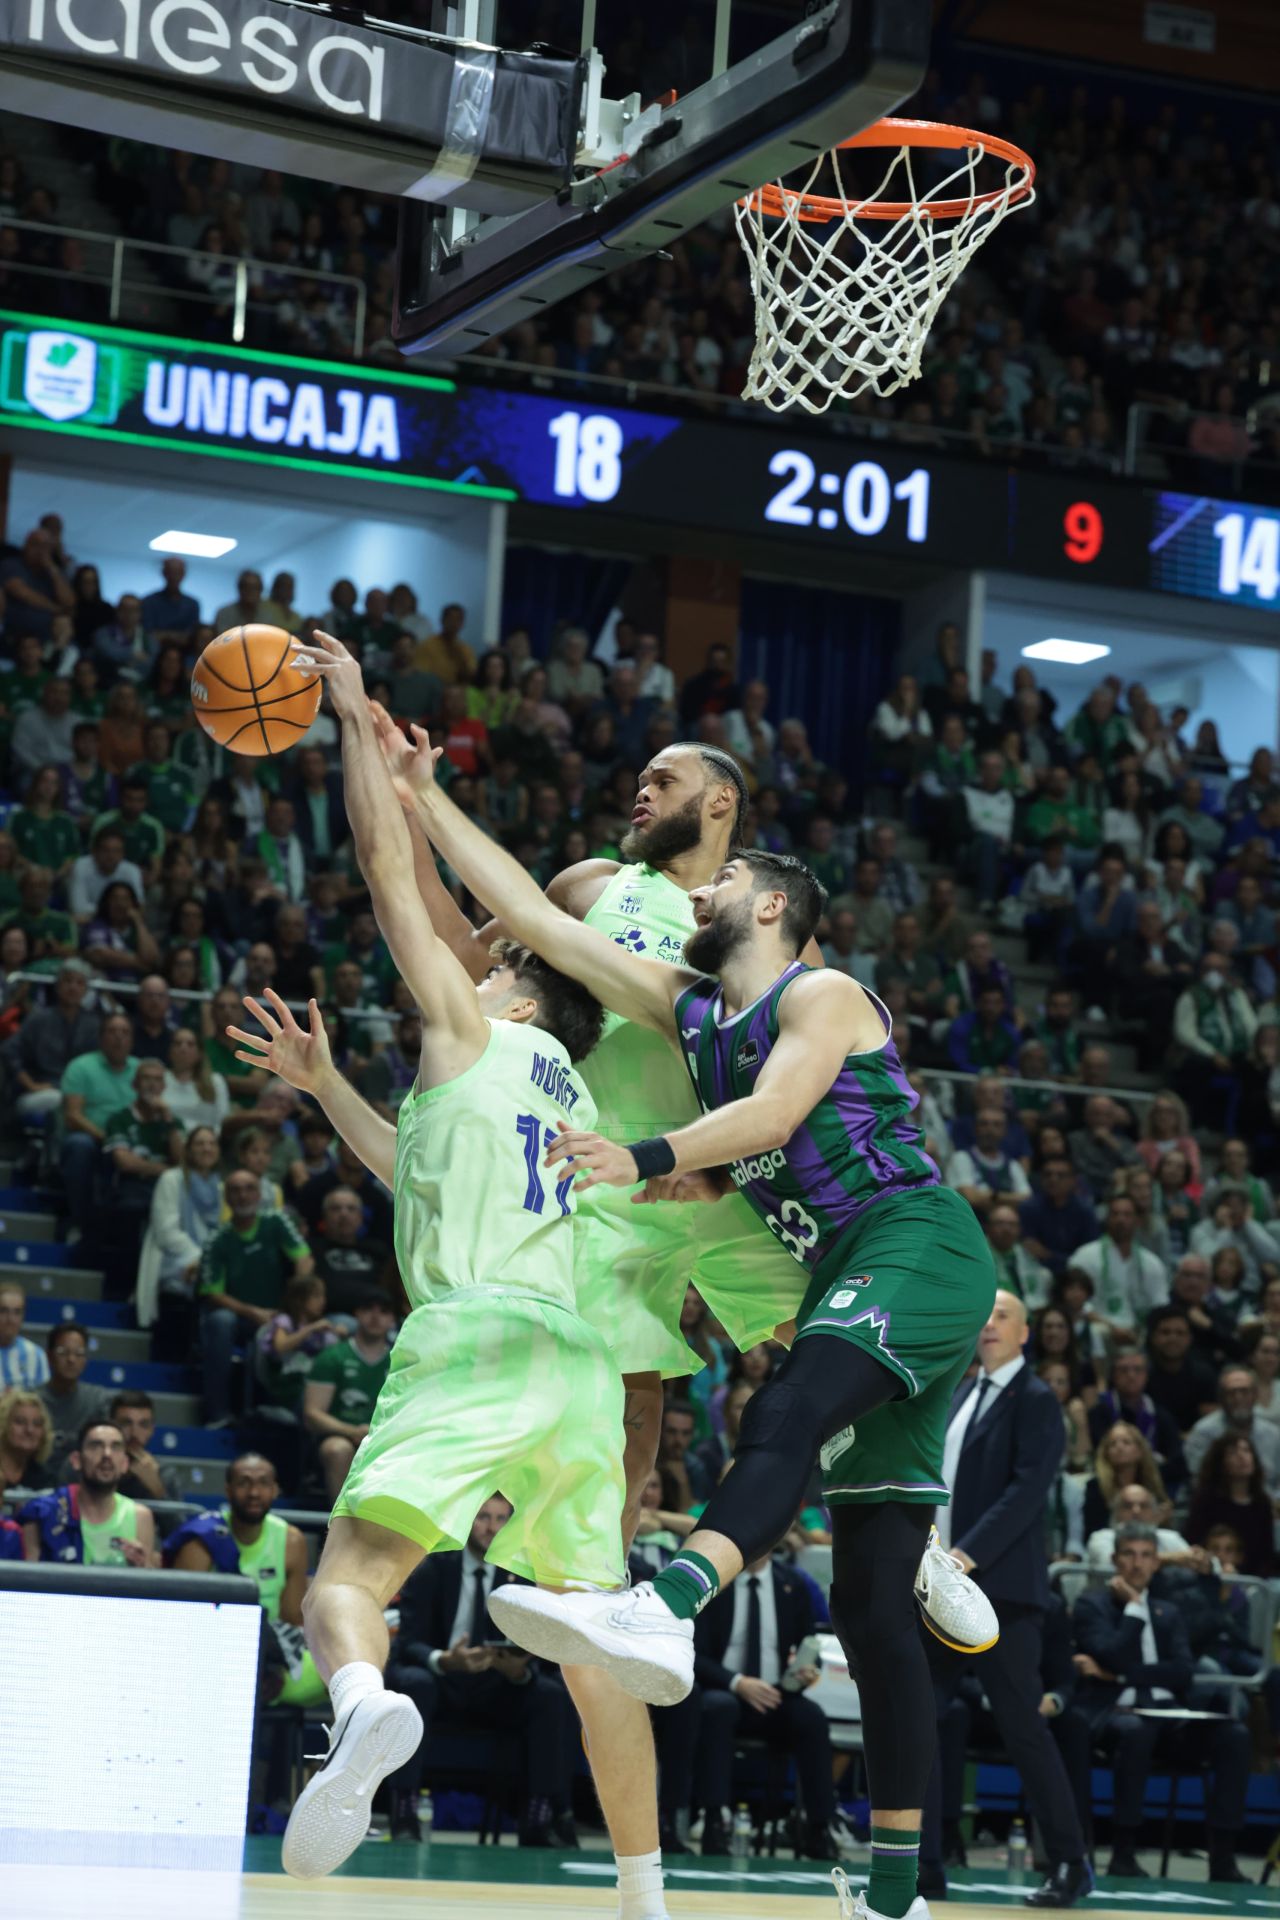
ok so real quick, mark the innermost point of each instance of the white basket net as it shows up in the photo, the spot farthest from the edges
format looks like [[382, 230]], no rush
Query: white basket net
[[846, 304]]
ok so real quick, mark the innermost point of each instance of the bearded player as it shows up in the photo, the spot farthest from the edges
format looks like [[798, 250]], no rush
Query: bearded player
[[805, 1103]]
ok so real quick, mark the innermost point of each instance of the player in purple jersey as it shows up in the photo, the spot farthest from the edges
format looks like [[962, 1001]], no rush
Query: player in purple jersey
[[807, 1112]]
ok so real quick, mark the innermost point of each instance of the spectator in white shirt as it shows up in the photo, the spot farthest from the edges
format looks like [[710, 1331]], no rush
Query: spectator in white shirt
[[746, 731], [1136, 1505], [95, 871], [989, 807], [1128, 1281], [654, 681]]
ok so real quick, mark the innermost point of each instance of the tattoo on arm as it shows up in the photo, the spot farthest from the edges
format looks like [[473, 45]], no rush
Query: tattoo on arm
[[632, 1412]]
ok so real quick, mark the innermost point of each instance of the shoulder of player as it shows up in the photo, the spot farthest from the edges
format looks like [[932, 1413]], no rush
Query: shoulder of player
[[820, 987], [577, 889], [832, 1000]]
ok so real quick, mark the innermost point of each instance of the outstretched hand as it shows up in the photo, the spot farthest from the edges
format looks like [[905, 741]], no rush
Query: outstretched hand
[[410, 762], [301, 1058], [324, 655]]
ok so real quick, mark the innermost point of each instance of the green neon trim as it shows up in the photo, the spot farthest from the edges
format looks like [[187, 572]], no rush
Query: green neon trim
[[193, 349], [463, 487]]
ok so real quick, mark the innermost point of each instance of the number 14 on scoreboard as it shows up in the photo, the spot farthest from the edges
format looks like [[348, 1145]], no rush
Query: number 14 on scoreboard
[[1248, 554]]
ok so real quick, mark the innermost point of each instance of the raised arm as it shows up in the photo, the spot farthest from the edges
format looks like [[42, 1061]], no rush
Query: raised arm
[[304, 1060], [455, 1032], [821, 1020], [641, 990]]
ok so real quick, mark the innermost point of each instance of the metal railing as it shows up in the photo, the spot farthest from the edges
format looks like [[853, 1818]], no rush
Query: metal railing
[[134, 299], [1066, 1088], [98, 983], [1156, 437]]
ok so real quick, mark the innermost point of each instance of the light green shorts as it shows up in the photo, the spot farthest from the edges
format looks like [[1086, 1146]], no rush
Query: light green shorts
[[633, 1264], [493, 1392]]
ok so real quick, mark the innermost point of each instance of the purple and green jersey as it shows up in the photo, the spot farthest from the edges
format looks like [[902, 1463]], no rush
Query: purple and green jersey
[[859, 1144]]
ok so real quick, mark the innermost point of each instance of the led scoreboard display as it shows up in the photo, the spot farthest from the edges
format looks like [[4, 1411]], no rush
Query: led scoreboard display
[[847, 493]]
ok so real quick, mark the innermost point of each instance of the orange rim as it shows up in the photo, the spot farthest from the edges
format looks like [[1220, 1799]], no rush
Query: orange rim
[[779, 203]]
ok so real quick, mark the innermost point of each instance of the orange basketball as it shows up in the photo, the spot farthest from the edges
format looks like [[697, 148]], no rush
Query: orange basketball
[[247, 693]]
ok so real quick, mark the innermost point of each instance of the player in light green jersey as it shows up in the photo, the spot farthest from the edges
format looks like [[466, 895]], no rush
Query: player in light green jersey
[[635, 1263], [496, 1384]]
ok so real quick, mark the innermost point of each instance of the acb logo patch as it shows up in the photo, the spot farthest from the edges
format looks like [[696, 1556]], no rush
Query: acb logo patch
[[848, 1290]]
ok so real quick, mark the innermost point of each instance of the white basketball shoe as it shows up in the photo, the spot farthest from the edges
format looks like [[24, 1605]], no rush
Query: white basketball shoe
[[955, 1609], [331, 1815], [629, 1632], [851, 1909]]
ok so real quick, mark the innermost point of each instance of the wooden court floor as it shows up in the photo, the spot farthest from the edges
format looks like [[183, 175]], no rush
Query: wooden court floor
[[515, 1886]]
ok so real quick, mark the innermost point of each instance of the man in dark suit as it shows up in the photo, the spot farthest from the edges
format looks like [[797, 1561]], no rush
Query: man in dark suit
[[451, 1662], [743, 1644], [320, 813], [1132, 1652], [1003, 1448]]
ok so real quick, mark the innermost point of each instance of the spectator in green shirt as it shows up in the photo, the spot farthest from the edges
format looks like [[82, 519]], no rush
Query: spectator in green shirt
[[244, 1084], [1097, 728], [823, 856], [243, 1271], [344, 1383], [21, 688], [365, 946], [170, 791], [1055, 816], [144, 836], [88, 701], [140, 1143], [52, 934], [167, 694], [44, 834], [94, 1088]]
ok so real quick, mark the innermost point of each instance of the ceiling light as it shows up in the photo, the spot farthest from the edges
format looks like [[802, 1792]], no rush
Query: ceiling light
[[192, 546], [1067, 653]]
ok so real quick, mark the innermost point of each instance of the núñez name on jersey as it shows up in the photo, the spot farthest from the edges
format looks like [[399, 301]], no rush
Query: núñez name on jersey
[[553, 1077], [743, 1171]]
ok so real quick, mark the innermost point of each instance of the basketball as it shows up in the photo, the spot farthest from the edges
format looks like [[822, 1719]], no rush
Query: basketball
[[247, 693]]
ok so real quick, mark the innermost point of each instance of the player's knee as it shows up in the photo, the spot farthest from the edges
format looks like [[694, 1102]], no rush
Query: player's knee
[[779, 1419]]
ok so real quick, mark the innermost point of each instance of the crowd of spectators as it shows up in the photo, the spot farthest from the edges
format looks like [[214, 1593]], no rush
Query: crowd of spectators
[[147, 881], [1148, 270]]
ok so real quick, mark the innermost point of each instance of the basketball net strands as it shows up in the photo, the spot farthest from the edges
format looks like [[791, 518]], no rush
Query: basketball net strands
[[847, 285]]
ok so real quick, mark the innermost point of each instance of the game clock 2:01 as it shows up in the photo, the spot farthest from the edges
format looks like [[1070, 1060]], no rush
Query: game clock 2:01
[[863, 499]]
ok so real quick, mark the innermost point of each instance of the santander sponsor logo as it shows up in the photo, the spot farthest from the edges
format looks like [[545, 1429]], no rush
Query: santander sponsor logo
[[199, 39]]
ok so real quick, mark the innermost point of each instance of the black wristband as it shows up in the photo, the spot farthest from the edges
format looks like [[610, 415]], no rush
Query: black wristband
[[653, 1156]]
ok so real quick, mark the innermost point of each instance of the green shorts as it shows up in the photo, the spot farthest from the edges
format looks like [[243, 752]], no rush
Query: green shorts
[[913, 1284], [493, 1392], [633, 1264]]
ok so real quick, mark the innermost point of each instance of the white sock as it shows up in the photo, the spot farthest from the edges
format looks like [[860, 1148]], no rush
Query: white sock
[[640, 1895], [352, 1683]]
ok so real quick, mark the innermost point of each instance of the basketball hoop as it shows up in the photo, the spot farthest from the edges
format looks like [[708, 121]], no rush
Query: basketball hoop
[[843, 305]]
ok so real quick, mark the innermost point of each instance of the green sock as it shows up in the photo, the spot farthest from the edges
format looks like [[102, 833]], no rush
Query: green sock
[[895, 1865], [687, 1585]]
